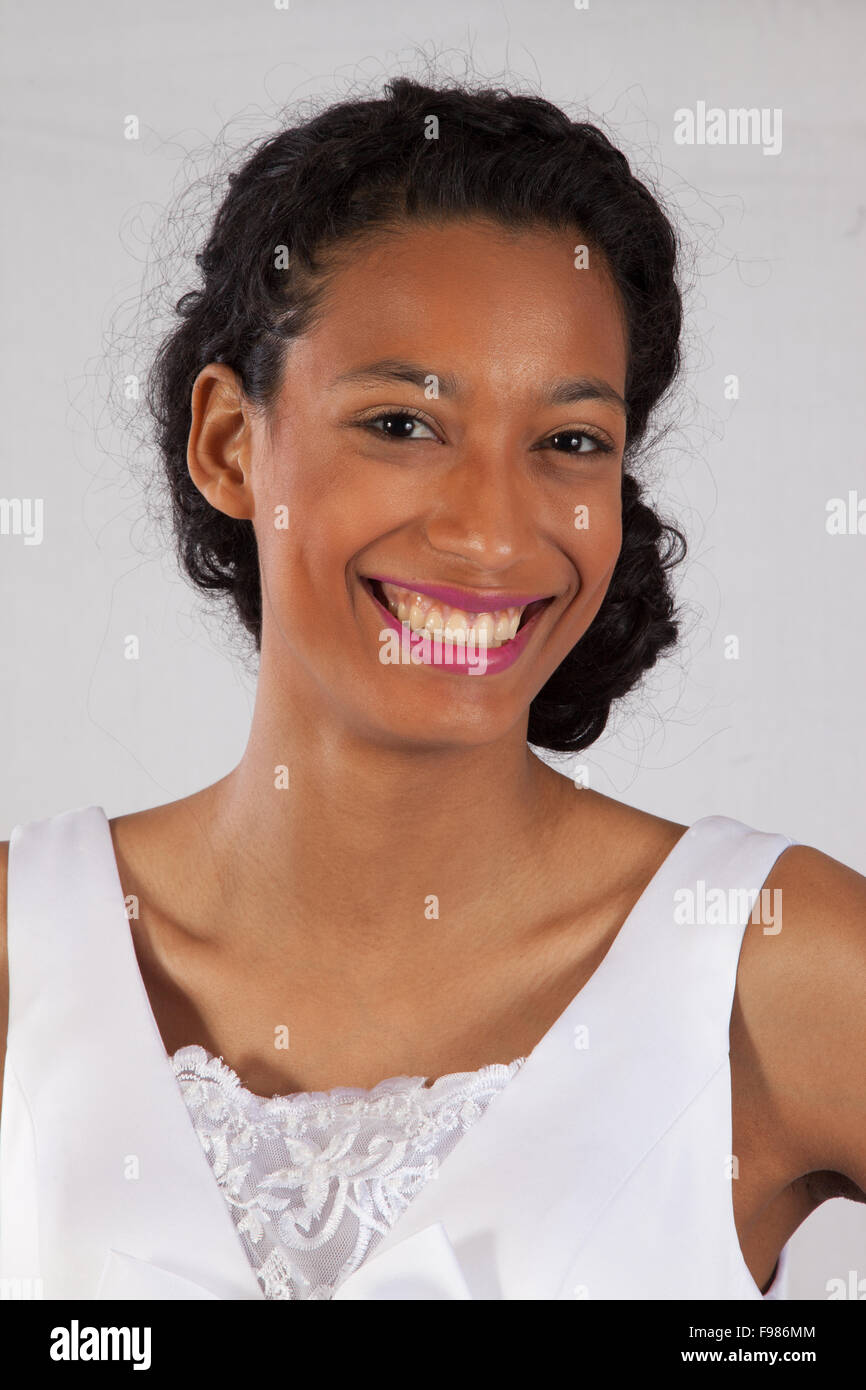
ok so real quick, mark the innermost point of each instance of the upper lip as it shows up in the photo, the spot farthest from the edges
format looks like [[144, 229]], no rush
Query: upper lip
[[468, 600]]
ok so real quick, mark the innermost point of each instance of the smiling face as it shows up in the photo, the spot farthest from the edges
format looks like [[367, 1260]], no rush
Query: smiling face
[[447, 445]]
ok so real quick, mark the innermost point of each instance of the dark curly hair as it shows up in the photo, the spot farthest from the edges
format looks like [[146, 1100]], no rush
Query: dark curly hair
[[360, 167]]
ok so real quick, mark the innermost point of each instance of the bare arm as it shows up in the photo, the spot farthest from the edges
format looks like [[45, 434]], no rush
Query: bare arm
[[803, 1002]]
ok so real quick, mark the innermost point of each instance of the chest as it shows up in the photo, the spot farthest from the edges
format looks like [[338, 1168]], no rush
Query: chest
[[464, 1029]]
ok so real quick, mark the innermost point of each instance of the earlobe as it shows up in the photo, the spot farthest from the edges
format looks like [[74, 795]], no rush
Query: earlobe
[[218, 448]]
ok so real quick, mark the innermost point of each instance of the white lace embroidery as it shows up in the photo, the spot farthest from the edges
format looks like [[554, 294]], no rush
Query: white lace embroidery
[[314, 1181]]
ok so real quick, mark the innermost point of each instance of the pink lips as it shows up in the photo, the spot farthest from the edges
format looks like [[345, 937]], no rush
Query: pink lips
[[469, 600], [489, 661]]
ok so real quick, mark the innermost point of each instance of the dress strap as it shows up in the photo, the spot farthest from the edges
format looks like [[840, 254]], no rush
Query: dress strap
[[119, 1174], [679, 950]]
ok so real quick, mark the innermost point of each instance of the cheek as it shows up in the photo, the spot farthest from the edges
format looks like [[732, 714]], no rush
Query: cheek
[[303, 518], [594, 537]]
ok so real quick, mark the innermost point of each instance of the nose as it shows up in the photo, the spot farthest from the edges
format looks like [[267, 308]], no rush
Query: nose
[[485, 513]]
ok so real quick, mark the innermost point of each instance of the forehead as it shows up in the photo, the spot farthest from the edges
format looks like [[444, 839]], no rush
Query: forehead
[[496, 306]]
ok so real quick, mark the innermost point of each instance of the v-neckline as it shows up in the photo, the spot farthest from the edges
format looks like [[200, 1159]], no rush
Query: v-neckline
[[533, 1063], [605, 965]]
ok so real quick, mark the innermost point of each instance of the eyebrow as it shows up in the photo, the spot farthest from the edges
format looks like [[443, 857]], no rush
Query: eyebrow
[[563, 391]]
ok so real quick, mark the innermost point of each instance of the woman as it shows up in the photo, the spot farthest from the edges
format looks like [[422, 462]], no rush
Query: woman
[[446, 1025]]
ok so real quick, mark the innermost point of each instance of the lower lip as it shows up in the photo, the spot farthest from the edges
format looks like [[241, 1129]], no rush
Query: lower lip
[[495, 659]]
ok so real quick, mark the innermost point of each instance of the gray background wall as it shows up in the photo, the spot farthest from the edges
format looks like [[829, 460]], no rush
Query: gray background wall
[[775, 244]]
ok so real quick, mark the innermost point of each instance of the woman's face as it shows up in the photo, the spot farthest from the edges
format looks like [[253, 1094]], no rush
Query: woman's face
[[429, 475]]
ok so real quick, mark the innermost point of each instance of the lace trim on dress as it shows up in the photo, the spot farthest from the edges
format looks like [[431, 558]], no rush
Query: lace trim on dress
[[315, 1180]]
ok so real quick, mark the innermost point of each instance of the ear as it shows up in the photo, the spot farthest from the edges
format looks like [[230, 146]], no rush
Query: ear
[[219, 448]]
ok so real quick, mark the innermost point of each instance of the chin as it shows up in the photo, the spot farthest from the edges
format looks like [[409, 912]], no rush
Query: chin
[[435, 721]]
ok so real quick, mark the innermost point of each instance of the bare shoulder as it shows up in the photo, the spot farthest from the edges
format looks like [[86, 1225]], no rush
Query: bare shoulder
[[185, 820], [637, 840], [4, 959], [601, 854], [158, 850], [800, 1017]]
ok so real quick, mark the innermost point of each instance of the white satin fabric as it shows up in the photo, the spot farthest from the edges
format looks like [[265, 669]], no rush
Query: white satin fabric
[[601, 1171]]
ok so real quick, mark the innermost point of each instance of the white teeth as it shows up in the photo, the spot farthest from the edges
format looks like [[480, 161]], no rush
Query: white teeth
[[435, 622], [425, 614]]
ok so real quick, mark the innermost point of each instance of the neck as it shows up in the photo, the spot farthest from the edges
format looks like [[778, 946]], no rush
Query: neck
[[372, 839]]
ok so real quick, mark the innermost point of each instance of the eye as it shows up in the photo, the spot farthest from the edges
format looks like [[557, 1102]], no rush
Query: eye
[[574, 442], [399, 424]]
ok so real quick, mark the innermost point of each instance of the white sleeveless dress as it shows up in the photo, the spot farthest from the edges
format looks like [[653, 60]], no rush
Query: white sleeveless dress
[[598, 1167]]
